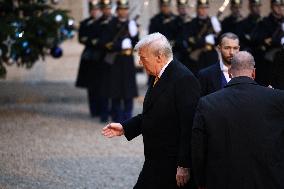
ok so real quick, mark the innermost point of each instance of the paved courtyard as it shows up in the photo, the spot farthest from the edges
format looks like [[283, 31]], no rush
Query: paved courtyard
[[48, 141]]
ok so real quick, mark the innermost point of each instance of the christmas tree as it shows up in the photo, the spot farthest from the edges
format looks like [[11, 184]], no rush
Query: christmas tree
[[30, 30]]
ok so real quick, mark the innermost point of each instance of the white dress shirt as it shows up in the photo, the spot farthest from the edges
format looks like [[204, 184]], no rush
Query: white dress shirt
[[164, 67], [224, 70]]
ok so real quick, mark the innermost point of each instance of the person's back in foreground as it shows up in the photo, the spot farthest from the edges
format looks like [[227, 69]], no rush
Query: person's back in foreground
[[238, 133]]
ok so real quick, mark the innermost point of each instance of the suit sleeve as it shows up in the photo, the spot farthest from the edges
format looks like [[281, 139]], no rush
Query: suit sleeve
[[132, 127], [187, 96], [199, 146]]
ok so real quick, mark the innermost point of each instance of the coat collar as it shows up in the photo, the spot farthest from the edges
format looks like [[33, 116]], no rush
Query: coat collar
[[241, 80], [154, 92]]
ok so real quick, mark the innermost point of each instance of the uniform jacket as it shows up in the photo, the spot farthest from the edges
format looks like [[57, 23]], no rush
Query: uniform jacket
[[91, 66], [121, 79], [192, 41], [269, 27], [230, 23], [195, 31], [164, 24], [244, 30], [237, 138], [266, 37]]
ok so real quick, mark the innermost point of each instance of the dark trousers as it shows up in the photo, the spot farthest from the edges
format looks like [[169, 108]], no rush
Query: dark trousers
[[98, 105], [121, 109]]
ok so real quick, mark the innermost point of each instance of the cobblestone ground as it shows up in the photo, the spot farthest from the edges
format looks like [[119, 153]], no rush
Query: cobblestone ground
[[48, 141]]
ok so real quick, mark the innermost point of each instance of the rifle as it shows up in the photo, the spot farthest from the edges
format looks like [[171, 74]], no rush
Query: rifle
[[110, 56], [194, 54], [122, 30], [222, 8], [272, 50]]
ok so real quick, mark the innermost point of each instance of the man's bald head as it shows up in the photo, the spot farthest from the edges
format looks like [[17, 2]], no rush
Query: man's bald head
[[242, 65]]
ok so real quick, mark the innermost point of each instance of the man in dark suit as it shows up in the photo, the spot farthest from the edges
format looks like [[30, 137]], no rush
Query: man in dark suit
[[216, 76], [166, 120], [237, 136]]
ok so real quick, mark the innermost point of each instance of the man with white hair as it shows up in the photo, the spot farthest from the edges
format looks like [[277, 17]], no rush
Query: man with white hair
[[237, 136], [167, 117]]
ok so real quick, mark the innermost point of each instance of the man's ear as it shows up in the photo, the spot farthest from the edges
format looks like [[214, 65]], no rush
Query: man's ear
[[160, 57]]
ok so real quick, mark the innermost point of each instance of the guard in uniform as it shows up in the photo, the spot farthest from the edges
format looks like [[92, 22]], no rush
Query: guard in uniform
[[122, 78], [88, 74], [182, 18], [105, 28], [164, 22], [199, 37], [268, 36], [248, 24], [230, 23]]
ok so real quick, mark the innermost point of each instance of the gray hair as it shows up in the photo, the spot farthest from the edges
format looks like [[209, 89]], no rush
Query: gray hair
[[158, 44], [242, 62]]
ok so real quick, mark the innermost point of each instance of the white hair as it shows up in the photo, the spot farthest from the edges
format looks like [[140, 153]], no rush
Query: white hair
[[158, 44]]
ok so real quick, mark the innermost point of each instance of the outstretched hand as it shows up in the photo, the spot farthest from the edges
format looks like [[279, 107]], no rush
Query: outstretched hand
[[113, 129]]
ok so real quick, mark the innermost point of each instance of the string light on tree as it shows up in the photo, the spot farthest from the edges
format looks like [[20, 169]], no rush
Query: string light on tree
[[30, 30], [9, 42]]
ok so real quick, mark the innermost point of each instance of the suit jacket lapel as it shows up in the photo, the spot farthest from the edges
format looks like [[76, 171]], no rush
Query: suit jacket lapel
[[154, 92], [217, 82], [148, 95]]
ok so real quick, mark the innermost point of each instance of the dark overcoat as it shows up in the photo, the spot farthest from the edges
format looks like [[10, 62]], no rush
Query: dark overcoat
[[238, 137], [165, 125]]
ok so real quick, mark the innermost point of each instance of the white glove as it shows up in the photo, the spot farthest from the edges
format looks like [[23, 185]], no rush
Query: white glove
[[132, 28], [282, 41], [209, 39], [126, 44], [216, 24]]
